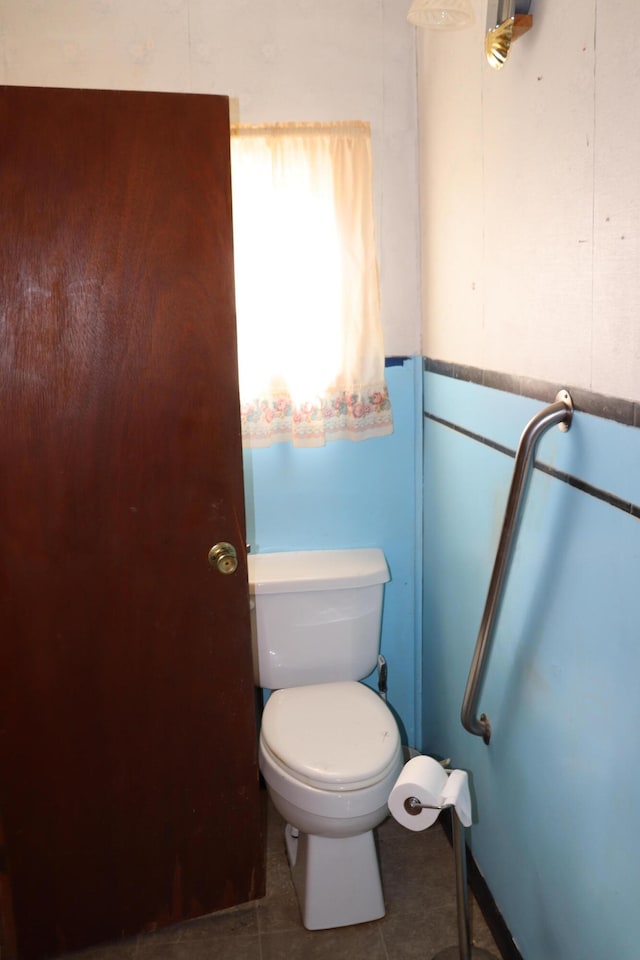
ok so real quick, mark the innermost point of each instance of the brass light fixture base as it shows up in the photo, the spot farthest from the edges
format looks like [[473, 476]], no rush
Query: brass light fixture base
[[498, 40], [506, 21]]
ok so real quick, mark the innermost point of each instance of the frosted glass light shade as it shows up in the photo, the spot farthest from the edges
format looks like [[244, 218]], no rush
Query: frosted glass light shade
[[441, 14]]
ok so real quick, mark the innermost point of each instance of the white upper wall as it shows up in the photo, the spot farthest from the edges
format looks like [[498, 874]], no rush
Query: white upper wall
[[530, 188], [296, 60]]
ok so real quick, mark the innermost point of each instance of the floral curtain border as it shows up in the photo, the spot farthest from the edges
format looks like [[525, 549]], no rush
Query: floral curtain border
[[342, 415]]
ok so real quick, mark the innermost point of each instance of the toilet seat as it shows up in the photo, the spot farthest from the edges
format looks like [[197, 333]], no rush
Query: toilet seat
[[332, 736]]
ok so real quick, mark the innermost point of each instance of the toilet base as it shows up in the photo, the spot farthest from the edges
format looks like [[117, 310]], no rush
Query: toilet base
[[337, 881]]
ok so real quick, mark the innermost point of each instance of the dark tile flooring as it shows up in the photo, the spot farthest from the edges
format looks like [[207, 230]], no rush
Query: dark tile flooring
[[419, 887]]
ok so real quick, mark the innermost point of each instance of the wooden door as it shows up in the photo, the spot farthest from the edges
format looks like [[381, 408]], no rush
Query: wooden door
[[128, 774]]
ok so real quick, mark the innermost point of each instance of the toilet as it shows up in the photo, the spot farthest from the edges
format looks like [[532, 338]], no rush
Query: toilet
[[329, 747]]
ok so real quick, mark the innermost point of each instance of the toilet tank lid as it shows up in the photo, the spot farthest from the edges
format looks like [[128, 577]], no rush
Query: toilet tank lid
[[316, 570]]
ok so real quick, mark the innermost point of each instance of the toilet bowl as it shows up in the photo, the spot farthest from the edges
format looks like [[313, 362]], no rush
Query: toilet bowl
[[329, 751], [330, 754]]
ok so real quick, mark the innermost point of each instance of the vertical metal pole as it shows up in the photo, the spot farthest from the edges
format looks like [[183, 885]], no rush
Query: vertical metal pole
[[462, 894], [464, 950]]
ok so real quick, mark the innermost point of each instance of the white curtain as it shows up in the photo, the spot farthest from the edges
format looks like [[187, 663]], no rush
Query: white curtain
[[311, 354]]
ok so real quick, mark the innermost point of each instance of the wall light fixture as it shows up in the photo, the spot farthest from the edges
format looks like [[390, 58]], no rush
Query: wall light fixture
[[506, 21]]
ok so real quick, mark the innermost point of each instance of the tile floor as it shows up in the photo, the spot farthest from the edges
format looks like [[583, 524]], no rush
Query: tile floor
[[419, 886]]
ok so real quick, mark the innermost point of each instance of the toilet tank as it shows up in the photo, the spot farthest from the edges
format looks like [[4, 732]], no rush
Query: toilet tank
[[316, 615]]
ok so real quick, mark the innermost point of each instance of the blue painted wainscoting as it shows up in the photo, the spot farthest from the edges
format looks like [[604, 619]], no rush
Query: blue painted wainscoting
[[557, 791], [364, 494]]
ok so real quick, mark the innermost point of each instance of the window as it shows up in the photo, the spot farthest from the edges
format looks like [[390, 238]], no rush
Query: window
[[311, 355]]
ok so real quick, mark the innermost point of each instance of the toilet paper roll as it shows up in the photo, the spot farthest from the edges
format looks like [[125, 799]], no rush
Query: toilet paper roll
[[456, 794], [425, 779]]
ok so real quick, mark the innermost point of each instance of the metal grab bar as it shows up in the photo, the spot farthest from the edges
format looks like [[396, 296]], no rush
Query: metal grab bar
[[560, 412]]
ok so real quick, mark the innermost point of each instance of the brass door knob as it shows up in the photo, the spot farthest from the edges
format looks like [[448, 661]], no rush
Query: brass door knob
[[223, 557]]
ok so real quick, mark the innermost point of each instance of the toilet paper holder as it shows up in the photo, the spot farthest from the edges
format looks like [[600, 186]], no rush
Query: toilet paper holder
[[413, 806], [464, 950], [421, 775]]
